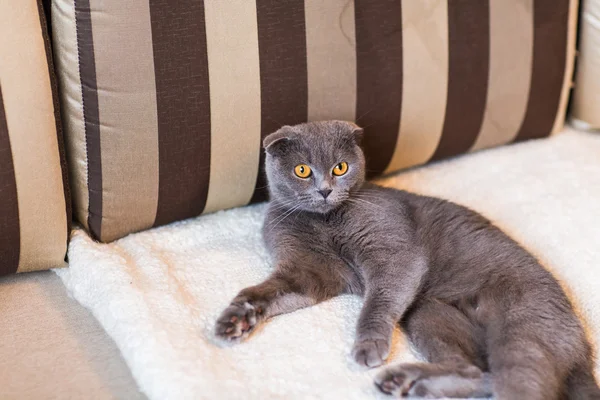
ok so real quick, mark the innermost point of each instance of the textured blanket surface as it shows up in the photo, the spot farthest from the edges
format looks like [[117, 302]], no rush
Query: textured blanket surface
[[158, 293]]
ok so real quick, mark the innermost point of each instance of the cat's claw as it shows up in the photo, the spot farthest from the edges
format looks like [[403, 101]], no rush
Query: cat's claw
[[237, 321], [371, 352]]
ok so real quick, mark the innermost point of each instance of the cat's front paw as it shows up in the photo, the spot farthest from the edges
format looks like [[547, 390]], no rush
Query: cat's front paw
[[371, 352], [238, 320]]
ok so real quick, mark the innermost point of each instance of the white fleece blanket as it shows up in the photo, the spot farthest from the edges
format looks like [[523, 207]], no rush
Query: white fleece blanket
[[157, 293]]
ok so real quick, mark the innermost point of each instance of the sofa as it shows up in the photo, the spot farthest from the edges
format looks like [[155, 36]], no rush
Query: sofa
[[125, 124]]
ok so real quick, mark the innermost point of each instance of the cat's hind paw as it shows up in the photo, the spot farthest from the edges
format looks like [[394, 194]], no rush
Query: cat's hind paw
[[398, 380], [434, 381]]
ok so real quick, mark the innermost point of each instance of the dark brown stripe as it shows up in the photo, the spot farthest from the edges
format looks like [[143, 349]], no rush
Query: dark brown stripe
[[183, 107], [379, 78], [283, 71], [46, 9], [89, 89], [468, 70], [10, 235], [550, 33], [57, 118]]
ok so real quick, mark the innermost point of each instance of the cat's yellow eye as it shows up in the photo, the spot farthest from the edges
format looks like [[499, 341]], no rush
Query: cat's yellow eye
[[340, 169], [302, 171]]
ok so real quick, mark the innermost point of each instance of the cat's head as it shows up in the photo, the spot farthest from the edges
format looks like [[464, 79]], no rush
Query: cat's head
[[315, 165]]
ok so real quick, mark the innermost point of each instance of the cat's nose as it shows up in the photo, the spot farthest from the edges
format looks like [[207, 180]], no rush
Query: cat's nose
[[325, 192]]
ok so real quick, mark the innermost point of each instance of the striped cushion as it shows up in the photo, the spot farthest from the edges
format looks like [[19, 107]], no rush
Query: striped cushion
[[167, 102], [585, 106], [34, 199]]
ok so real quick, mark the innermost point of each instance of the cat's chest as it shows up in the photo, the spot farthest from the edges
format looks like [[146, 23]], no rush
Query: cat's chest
[[339, 238], [333, 242]]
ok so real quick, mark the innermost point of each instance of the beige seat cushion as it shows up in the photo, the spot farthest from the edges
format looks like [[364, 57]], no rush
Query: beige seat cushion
[[53, 348], [176, 280]]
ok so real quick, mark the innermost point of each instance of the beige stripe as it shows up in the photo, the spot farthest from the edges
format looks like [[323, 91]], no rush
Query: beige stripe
[[234, 76], [511, 55], [586, 96], [31, 127], [67, 67], [425, 81], [331, 59], [128, 119], [568, 81]]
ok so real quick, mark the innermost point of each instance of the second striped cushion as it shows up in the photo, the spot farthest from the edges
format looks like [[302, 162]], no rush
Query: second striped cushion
[[167, 102], [35, 206]]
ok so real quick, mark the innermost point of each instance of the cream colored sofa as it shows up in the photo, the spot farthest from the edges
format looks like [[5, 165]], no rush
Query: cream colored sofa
[[53, 348]]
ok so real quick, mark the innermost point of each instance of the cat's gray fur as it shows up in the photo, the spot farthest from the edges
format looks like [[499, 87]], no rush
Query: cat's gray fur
[[481, 309]]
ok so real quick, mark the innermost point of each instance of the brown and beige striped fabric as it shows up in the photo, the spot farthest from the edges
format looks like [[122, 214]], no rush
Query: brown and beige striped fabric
[[34, 197], [167, 102], [585, 106]]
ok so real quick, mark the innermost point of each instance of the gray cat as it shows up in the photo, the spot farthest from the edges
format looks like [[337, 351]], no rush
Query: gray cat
[[485, 314]]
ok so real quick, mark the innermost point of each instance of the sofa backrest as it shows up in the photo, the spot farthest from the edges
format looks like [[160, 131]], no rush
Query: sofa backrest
[[585, 106], [34, 195], [166, 102]]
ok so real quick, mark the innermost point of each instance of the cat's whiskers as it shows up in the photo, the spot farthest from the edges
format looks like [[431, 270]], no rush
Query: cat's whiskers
[[282, 205], [370, 201], [357, 200], [281, 215], [286, 214], [368, 191], [368, 196]]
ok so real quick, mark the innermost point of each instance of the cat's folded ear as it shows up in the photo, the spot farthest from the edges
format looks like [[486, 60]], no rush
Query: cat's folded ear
[[277, 142], [357, 133]]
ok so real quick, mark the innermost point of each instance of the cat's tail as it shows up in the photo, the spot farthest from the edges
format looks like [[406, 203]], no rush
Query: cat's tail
[[581, 384]]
